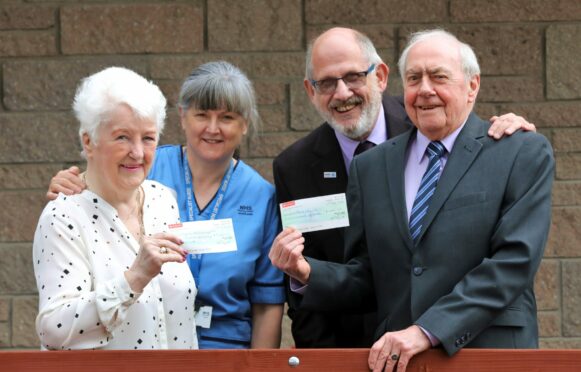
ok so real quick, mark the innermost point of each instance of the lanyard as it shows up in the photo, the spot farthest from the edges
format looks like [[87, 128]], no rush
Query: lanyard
[[195, 260]]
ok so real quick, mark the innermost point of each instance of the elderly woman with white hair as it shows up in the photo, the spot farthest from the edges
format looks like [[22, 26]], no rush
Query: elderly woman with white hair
[[109, 276]]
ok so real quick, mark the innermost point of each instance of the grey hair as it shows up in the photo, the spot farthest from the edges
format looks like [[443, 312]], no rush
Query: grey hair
[[220, 85], [468, 58], [368, 52], [100, 94]]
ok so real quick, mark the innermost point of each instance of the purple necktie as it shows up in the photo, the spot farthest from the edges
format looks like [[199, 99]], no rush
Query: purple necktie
[[362, 147]]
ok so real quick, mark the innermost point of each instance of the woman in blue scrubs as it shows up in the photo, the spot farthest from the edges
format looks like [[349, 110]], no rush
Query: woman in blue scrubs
[[241, 290], [244, 291]]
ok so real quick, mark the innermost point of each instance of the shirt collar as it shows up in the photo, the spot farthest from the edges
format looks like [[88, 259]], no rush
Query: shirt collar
[[421, 143], [378, 135]]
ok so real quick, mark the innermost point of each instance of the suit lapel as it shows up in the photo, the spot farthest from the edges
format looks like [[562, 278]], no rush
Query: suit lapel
[[395, 163], [465, 151], [328, 167]]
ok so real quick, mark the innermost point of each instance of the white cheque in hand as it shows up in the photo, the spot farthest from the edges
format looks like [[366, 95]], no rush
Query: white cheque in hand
[[211, 236], [314, 214]]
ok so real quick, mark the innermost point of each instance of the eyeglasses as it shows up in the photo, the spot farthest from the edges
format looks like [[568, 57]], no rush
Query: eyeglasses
[[353, 80]]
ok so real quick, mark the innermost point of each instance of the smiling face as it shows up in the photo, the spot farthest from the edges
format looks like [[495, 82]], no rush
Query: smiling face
[[122, 154], [352, 112], [212, 135], [438, 97]]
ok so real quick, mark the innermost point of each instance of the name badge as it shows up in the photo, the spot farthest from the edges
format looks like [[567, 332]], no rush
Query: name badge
[[203, 316], [329, 174]]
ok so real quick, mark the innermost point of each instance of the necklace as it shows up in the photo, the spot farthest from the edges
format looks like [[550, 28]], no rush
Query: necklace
[[139, 199]]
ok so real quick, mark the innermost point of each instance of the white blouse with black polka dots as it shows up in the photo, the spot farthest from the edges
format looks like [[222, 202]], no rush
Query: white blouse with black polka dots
[[81, 250]]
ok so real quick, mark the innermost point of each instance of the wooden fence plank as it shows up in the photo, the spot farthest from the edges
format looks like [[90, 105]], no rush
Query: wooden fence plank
[[473, 360]]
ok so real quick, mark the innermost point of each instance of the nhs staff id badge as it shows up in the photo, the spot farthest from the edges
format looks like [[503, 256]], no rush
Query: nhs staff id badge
[[203, 316]]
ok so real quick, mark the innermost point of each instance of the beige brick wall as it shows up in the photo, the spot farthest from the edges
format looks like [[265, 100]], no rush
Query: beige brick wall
[[530, 52]]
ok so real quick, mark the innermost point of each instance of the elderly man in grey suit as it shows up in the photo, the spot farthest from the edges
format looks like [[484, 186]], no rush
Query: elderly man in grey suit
[[448, 226]]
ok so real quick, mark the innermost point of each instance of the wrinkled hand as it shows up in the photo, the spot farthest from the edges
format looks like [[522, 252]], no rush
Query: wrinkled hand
[[286, 254], [403, 344], [507, 124], [150, 258], [66, 181]]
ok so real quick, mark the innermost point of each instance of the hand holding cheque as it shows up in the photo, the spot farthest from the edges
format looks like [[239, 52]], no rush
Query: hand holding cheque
[[300, 216]]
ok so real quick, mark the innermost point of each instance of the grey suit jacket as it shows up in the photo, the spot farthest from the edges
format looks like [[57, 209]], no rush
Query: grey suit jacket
[[469, 280]]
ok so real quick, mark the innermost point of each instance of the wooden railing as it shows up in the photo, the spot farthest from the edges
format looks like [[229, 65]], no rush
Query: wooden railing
[[471, 360]]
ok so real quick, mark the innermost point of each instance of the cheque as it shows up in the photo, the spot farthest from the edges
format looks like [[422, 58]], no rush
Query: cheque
[[314, 214], [211, 236]]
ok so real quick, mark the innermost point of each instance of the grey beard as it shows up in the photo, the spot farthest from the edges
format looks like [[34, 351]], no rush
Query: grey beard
[[364, 125]]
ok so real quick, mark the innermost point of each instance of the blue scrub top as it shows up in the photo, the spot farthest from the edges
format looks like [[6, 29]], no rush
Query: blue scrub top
[[230, 282]]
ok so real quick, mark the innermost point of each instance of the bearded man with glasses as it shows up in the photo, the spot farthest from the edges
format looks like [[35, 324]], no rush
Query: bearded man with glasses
[[345, 80]]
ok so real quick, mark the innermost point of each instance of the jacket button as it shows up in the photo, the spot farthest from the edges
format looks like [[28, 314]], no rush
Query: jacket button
[[418, 271]]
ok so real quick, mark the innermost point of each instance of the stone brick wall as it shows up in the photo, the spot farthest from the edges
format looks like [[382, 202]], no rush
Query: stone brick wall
[[530, 52]]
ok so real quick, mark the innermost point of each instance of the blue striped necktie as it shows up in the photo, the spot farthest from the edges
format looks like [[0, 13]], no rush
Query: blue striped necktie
[[427, 188]]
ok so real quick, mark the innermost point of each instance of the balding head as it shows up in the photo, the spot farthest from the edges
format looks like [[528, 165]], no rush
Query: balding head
[[335, 43]]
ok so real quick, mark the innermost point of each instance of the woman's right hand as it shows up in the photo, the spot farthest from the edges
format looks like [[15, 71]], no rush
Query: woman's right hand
[[66, 181], [154, 252]]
